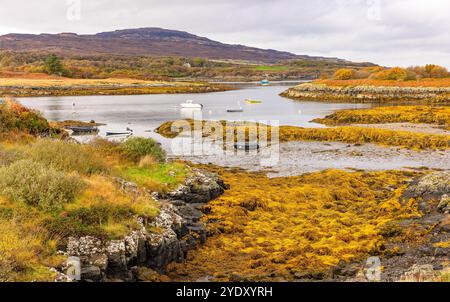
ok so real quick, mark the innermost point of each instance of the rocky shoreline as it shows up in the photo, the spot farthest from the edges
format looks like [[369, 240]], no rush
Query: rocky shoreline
[[143, 255], [43, 91], [369, 94]]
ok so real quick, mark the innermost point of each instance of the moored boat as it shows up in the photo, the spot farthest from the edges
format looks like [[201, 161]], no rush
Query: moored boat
[[128, 131], [79, 129], [265, 82], [191, 104], [247, 146]]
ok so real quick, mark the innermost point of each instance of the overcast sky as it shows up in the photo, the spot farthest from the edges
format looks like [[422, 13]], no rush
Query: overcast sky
[[387, 32]]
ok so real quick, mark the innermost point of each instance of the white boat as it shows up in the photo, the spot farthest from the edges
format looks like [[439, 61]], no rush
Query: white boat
[[128, 132], [191, 104]]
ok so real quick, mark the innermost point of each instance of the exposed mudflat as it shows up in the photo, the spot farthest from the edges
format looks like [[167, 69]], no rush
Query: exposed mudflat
[[296, 158], [419, 128]]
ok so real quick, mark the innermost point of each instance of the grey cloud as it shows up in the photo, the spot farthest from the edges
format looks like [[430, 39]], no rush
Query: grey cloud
[[407, 32]]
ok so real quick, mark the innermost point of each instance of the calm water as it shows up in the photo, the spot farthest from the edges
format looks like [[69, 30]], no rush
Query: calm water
[[144, 113]]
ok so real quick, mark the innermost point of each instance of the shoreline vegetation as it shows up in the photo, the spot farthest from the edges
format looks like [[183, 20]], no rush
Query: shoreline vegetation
[[255, 233], [40, 86], [428, 84], [52, 188], [372, 92]]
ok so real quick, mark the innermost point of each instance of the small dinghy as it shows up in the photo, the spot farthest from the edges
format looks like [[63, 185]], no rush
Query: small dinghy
[[247, 146], [112, 132], [190, 104], [235, 110]]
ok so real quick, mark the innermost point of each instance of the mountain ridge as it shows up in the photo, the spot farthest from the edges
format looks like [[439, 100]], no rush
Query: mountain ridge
[[146, 41]]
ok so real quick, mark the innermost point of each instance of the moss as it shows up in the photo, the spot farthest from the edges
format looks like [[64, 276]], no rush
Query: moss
[[159, 177]]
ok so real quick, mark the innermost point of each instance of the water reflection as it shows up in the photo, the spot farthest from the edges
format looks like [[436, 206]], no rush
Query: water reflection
[[190, 113], [144, 113]]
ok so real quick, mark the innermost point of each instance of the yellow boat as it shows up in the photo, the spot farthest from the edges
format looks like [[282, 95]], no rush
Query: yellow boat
[[253, 101]]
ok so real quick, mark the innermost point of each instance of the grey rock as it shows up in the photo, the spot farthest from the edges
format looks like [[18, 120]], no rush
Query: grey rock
[[84, 246], [419, 273], [444, 204], [432, 186], [92, 273]]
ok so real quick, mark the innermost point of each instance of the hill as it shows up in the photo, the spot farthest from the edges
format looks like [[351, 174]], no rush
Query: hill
[[144, 42]]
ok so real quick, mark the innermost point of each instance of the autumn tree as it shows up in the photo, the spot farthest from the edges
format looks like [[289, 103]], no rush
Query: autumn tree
[[394, 74], [430, 71], [344, 74], [436, 71], [53, 65]]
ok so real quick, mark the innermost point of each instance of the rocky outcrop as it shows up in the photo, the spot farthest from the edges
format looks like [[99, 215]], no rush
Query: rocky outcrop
[[431, 191], [146, 252], [200, 188], [369, 94]]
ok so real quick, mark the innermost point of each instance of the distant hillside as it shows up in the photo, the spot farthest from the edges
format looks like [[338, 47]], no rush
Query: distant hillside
[[144, 42]]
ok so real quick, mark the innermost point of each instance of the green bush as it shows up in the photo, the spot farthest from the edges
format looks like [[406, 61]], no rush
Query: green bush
[[137, 147], [104, 146], [53, 65], [38, 185], [67, 156]]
